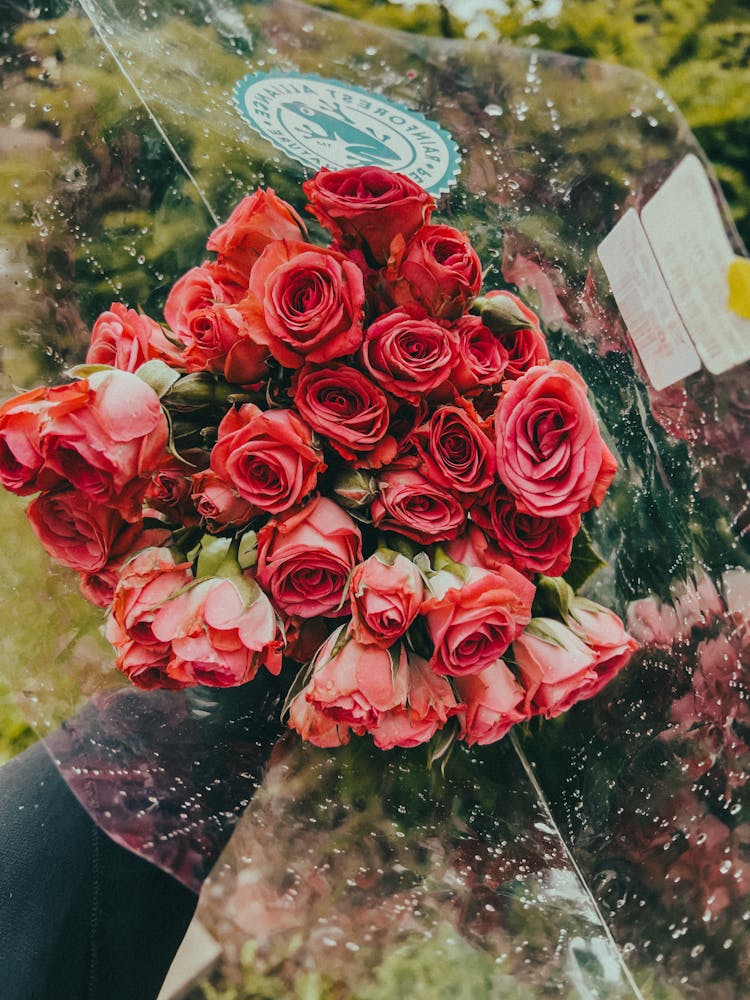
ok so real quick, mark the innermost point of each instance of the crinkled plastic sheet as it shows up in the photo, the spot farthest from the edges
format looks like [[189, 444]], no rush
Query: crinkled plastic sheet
[[603, 854]]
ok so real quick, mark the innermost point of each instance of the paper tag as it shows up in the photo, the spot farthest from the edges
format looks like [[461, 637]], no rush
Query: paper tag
[[643, 299], [685, 230]]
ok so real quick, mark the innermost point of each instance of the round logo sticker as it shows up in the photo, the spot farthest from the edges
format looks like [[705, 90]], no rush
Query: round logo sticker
[[326, 123]]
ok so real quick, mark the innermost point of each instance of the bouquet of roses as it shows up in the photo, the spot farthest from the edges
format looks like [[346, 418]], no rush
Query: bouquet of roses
[[339, 456]]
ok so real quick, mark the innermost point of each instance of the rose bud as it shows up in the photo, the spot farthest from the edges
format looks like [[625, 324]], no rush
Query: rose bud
[[386, 593], [314, 725], [517, 330], [364, 208], [482, 358], [455, 452], [493, 703], [604, 633], [355, 489]]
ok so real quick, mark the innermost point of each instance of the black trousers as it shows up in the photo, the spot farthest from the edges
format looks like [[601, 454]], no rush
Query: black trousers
[[80, 917]]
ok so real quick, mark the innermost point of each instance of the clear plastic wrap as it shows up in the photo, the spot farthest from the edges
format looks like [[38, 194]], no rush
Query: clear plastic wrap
[[602, 853]]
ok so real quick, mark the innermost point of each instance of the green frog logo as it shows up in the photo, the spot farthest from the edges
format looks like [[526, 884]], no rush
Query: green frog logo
[[328, 123]]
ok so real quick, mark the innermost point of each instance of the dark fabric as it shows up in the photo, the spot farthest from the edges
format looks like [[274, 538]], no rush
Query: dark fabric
[[80, 917]]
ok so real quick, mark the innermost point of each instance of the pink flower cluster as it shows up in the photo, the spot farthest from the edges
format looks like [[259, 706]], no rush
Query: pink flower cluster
[[343, 455]]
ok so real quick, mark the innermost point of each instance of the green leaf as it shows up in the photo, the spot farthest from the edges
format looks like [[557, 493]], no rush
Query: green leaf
[[85, 371], [213, 553], [584, 562], [247, 550], [158, 375]]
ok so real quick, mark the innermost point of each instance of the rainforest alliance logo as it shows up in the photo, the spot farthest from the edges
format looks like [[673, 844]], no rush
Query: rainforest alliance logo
[[326, 123]]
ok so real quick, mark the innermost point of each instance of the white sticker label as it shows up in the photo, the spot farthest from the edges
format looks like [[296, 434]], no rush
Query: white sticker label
[[685, 229], [643, 299]]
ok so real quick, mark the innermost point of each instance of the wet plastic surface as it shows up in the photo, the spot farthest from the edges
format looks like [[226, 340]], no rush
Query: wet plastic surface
[[601, 855]]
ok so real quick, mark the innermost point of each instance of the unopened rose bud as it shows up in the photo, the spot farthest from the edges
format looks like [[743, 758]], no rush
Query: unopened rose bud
[[196, 391], [501, 314], [355, 489]]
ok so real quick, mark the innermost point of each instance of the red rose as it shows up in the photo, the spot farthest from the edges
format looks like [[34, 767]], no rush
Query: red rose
[[349, 410], [171, 487], [203, 315], [145, 583], [365, 207], [525, 346], [409, 355], [98, 587], [550, 454], [386, 593], [219, 503], [493, 703], [104, 436], [126, 339], [305, 558], [78, 533], [482, 358], [532, 544], [221, 631], [305, 303], [437, 270], [413, 506], [472, 623], [259, 219], [455, 451], [268, 456]]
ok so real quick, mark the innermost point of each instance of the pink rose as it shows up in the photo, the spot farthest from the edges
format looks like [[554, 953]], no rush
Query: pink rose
[[430, 702], [524, 346], [409, 355], [126, 339], [349, 410], [472, 623], [314, 725], [202, 313], [305, 558], [219, 503], [365, 207], [305, 303], [105, 436], [354, 684], [455, 451], [482, 358], [559, 668], [413, 506], [438, 270], [401, 704], [550, 454], [146, 582], [604, 633], [386, 593], [221, 630], [493, 703], [474, 548], [532, 544], [268, 456], [22, 467], [98, 586], [79, 533], [259, 219]]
